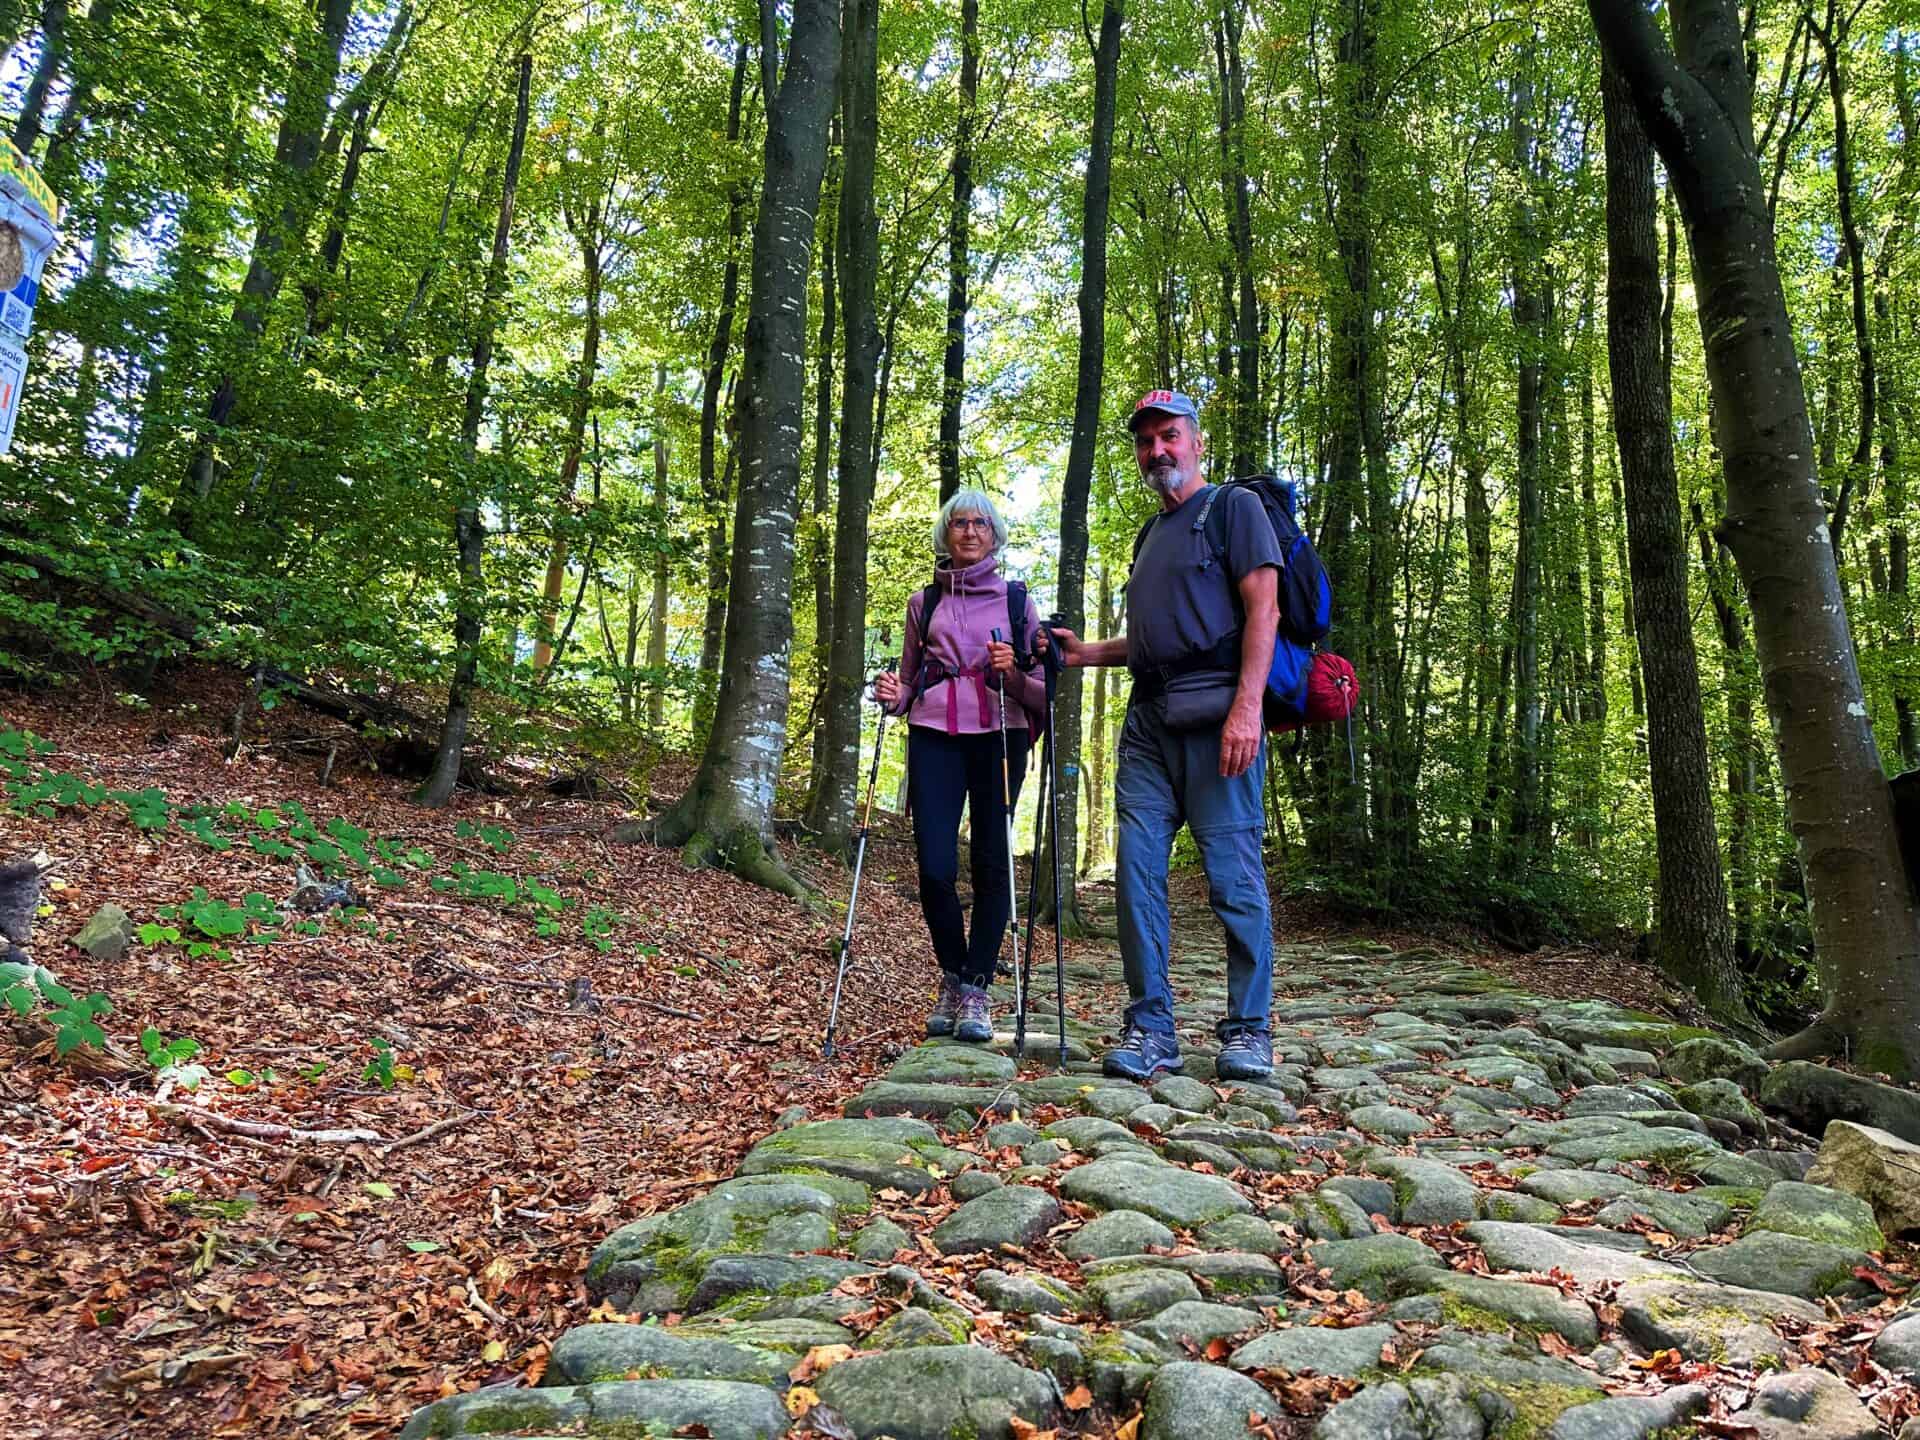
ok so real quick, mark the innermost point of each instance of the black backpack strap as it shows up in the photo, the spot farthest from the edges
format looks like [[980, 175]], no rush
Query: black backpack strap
[[929, 602], [1017, 620], [927, 676], [1204, 523], [1140, 538]]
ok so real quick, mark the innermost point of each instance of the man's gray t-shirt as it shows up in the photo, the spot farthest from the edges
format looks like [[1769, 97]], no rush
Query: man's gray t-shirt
[[1180, 599]]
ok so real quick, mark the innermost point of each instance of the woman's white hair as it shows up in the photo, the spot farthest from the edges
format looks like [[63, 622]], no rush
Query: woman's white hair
[[968, 502]]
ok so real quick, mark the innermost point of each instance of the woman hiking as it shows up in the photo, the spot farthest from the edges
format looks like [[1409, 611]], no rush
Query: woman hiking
[[951, 671]]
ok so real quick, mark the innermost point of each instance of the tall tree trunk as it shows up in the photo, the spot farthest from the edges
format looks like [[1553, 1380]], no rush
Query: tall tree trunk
[[1242, 307], [469, 528], [1590, 527], [92, 50], [819, 546], [1892, 471], [726, 816], [959, 231], [364, 108], [1096, 767], [831, 813], [1529, 324], [1353, 383], [657, 626], [1698, 110], [1695, 943], [1833, 36], [287, 210], [713, 486], [1623, 570], [1078, 484], [53, 53], [588, 225], [1743, 761]]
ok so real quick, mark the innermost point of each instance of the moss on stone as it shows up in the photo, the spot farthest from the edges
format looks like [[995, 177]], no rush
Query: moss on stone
[[1462, 1314], [837, 1187], [1737, 1197], [505, 1416], [1537, 1405]]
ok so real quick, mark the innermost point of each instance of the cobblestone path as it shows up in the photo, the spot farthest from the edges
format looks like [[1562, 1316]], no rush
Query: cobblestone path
[[1456, 1211]]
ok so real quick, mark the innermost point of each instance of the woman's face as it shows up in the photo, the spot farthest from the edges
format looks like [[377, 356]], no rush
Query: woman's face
[[969, 537]]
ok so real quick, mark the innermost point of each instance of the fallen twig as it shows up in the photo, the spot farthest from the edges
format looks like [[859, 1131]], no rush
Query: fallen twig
[[439, 1127], [561, 985], [262, 1129], [473, 1299]]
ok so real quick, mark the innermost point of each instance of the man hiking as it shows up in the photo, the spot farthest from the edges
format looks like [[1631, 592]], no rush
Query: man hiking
[[1199, 639]]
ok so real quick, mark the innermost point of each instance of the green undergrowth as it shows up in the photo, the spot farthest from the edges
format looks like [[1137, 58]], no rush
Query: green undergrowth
[[335, 851]]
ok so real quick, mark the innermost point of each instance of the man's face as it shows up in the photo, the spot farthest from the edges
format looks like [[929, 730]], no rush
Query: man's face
[[1168, 448]]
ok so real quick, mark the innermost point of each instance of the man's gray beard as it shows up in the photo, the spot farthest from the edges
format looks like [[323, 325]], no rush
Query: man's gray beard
[[1166, 481]]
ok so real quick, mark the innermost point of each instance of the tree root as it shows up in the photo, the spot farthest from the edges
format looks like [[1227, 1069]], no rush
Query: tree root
[[1825, 1036], [740, 852]]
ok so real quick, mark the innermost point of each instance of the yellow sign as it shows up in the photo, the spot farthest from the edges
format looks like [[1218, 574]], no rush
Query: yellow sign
[[15, 166]]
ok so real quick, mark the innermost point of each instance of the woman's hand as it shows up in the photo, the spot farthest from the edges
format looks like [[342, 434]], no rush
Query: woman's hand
[[886, 688], [1000, 657]]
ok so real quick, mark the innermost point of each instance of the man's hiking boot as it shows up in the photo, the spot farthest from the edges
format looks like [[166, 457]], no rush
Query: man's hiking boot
[[975, 1025], [1245, 1054], [1141, 1055], [946, 1009]]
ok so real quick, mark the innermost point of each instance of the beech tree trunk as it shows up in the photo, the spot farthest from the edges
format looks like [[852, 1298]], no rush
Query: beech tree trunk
[[53, 51], [1695, 943], [287, 211], [589, 226], [726, 816], [469, 529], [713, 485], [92, 50], [1242, 308], [830, 815], [959, 232], [819, 547], [1077, 486], [1529, 324], [1353, 369], [657, 622], [1743, 761], [1833, 45], [1097, 750], [1695, 101]]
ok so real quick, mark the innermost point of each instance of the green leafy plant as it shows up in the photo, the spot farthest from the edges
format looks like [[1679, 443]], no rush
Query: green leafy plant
[[162, 1052], [379, 1070], [496, 838], [75, 1018], [597, 925]]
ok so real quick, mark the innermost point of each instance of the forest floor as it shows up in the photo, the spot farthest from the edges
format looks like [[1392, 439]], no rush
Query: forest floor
[[166, 1274]]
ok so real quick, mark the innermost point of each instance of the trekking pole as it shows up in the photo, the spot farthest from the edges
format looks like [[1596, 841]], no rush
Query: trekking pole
[[1033, 897], [859, 864], [1053, 804], [1013, 874]]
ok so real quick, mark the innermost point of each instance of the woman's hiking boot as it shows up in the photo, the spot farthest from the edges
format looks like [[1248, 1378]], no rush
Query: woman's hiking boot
[[975, 1025], [946, 1008]]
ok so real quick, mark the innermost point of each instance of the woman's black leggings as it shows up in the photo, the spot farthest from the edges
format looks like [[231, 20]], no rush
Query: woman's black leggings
[[944, 771]]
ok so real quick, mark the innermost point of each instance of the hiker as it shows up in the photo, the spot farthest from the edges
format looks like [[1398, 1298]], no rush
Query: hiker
[[1192, 750], [947, 687]]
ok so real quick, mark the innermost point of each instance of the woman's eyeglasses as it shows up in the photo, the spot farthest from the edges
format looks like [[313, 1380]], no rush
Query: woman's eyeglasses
[[969, 522]]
